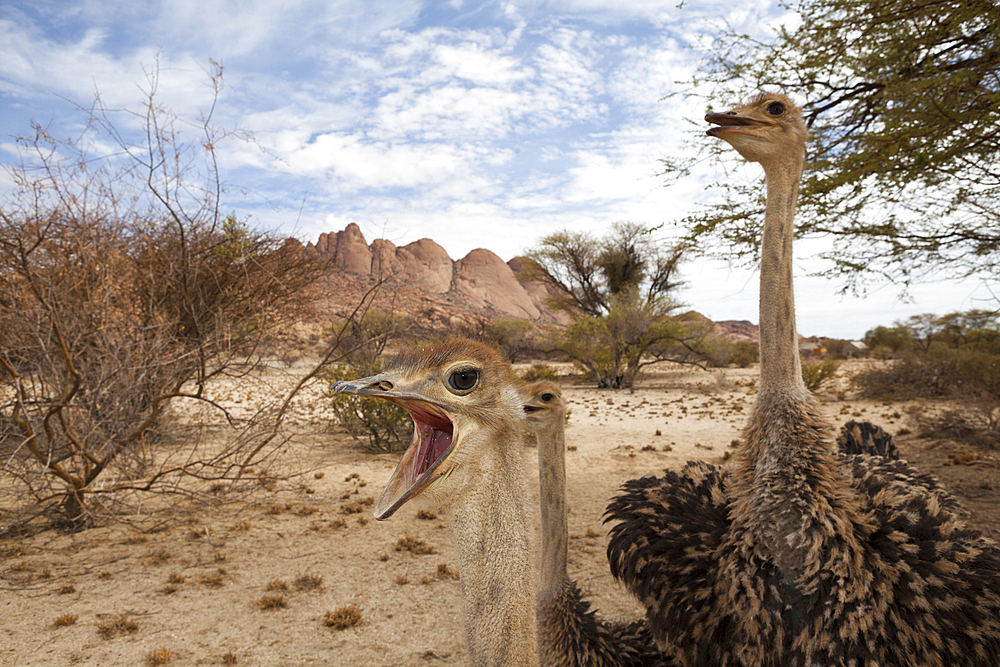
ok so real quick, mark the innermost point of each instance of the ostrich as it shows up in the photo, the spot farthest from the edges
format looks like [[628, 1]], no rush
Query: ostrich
[[800, 557], [570, 633], [467, 452]]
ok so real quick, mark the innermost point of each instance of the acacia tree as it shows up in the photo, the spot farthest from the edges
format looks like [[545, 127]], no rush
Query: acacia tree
[[903, 103], [123, 286], [619, 290]]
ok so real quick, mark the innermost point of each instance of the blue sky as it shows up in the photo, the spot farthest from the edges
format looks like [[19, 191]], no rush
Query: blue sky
[[476, 124]]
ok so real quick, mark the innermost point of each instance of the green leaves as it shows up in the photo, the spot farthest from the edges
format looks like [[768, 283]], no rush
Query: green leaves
[[903, 103]]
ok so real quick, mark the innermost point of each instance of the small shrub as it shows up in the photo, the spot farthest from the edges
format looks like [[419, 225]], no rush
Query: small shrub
[[229, 658], [66, 589], [445, 572], [539, 372], [117, 626], [414, 545], [816, 373], [64, 620], [160, 656], [276, 585], [308, 582], [271, 602], [384, 427], [343, 618]]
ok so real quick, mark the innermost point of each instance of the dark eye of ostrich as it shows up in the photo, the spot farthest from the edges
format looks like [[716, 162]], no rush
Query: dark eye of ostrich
[[547, 397], [776, 108], [463, 380]]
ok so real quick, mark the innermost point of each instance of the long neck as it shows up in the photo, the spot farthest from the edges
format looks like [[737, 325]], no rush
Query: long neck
[[492, 524], [552, 491], [780, 368], [789, 493]]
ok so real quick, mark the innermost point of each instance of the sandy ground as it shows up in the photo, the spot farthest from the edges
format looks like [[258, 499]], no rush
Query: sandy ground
[[194, 591]]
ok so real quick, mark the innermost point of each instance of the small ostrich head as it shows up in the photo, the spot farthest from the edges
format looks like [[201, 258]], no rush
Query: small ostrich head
[[767, 127], [462, 401], [543, 404]]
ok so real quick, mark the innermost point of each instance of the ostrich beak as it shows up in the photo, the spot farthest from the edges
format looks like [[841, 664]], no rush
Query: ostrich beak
[[730, 123], [435, 436]]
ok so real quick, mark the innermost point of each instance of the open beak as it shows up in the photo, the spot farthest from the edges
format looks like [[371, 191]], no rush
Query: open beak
[[434, 438], [732, 124]]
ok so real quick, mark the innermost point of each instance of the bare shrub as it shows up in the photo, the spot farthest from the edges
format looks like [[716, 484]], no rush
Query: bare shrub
[[342, 618], [125, 286], [115, 627]]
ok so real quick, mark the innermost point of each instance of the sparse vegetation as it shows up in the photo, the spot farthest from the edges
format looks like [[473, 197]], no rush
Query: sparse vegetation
[[816, 373], [952, 357], [64, 620], [538, 372], [118, 626], [125, 286], [160, 656], [308, 582], [414, 545], [271, 602], [342, 618]]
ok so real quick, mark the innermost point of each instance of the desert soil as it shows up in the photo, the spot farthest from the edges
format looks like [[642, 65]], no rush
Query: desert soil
[[194, 590]]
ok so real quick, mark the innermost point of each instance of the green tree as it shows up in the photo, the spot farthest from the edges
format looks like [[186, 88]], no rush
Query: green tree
[[619, 289], [588, 272], [903, 103]]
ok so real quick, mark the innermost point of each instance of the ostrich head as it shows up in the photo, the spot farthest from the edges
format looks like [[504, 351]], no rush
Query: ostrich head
[[463, 404], [543, 404], [767, 127]]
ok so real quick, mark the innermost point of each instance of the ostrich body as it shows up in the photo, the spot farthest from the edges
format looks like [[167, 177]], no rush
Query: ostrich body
[[467, 452], [570, 633], [801, 557]]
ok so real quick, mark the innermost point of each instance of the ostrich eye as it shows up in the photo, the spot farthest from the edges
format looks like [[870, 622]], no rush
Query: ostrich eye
[[776, 108], [464, 380], [547, 397]]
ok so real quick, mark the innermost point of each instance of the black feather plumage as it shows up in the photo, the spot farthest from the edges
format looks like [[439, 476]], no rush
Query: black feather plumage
[[923, 590]]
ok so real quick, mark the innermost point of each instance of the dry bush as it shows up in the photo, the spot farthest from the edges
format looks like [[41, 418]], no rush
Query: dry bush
[[116, 627], [124, 287], [969, 377], [308, 582], [342, 618], [160, 656], [64, 620], [414, 545], [271, 602]]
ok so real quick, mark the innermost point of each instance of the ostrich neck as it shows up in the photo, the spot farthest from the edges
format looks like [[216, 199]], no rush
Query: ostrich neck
[[491, 526], [780, 368], [552, 488]]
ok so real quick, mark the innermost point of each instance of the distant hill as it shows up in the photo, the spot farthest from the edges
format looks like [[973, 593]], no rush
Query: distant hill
[[422, 281]]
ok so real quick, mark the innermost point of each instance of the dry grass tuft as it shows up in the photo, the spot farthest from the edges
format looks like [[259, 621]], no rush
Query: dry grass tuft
[[66, 589], [414, 545], [229, 658], [160, 656], [64, 620], [270, 602], [308, 582], [277, 585], [426, 515], [343, 618], [116, 627], [445, 572]]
